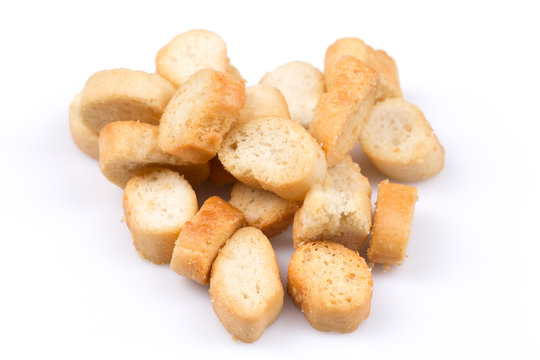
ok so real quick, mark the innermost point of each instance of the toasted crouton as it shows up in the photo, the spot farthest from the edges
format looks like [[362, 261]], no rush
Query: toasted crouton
[[263, 101], [84, 138]]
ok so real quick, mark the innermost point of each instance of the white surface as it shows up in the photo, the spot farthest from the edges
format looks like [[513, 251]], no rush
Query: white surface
[[74, 287]]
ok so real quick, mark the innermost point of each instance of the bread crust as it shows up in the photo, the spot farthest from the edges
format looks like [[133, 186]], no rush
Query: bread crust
[[262, 101], [122, 94], [218, 175], [331, 284], [127, 147], [84, 138], [394, 213]]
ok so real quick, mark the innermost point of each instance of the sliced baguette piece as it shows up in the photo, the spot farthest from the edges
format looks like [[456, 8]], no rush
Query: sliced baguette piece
[[218, 175], [157, 204], [201, 238], [245, 286], [392, 223], [400, 142], [200, 114], [122, 94], [274, 154], [263, 209], [342, 112], [331, 284], [301, 84], [263, 101], [127, 147], [84, 138], [190, 52], [338, 210], [378, 60]]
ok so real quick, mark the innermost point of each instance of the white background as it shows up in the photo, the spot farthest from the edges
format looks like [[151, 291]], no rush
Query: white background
[[72, 286]]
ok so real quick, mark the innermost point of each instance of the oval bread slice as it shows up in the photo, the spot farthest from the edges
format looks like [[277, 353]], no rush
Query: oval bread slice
[[263, 101], [85, 138]]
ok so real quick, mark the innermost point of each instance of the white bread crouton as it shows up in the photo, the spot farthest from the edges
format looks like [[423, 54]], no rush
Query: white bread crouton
[[84, 138], [263, 101]]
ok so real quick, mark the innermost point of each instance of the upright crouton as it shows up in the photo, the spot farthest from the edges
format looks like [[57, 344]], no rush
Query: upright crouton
[[84, 138]]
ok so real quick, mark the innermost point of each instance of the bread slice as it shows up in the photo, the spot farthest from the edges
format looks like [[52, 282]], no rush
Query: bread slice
[[301, 84], [199, 114], [378, 60], [263, 209], [157, 204], [190, 52], [235, 73], [274, 154], [201, 238], [338, 210], [392, 223], [245, 287], [342, 111], [85, 138], [331, 284], [122, 94], [127, 147], [218, 175], [400, 142], [263, 101]]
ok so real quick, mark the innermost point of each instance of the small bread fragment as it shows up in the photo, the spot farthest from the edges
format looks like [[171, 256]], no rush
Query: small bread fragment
[[274, 154], [218, 175], [263, 209], [338, 210], [127, 147], [378, 60], [400, 142], [392, 223], [157, 204], [200, 114], [301, 84], [331, 284], [263, 101], [201, 238], [245, 286], [190, 52], [122, 94], [85, 138], [342, 111]]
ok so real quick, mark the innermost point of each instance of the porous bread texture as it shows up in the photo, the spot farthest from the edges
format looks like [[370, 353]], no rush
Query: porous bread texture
[[342, 111], [378, 60], [127, 147], [122, 94], [201, 238], [157, 204], [263, 209], [190, 52], [331, 284], [261, 101], [301, 84], [391, 230], [84, 138], [245, 286], [274, 154], [200, 114], [399, 141], [338, 210], [218, 175]]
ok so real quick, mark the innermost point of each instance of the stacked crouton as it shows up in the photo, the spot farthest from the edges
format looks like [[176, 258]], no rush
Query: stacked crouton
[[285, 145]]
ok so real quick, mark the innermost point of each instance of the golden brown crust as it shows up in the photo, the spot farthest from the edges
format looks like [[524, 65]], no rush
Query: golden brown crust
[[392, 223], [201, 238], [83, 137]]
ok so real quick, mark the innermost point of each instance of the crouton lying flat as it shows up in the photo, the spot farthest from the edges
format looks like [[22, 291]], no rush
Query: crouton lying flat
[[85, 138], [331, 284], [190, 52], [400, 142], [122, 94], [392, 223], [201, 238], [274, 154], [301, 84], [127, 147], [342, 111], [157, 204], [200, 114], [263, 101], [245, 287]]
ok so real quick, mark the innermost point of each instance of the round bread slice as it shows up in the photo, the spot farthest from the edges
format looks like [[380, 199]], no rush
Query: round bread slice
[[157, 204], [400, 142], [274, 154], [84, 138], [122, 94], [263, 101], [331, 284]]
